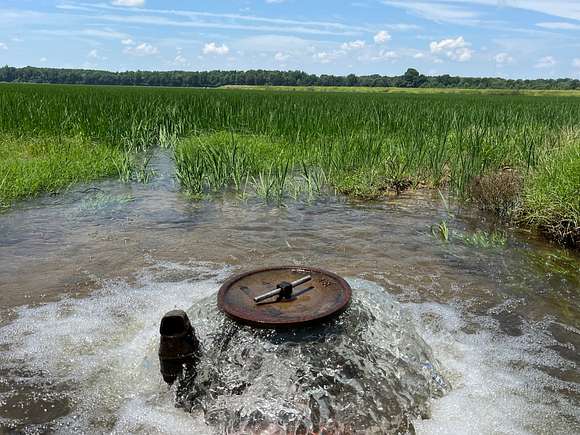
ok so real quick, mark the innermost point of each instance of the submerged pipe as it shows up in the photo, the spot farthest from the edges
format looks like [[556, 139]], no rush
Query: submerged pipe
[[179, 348]]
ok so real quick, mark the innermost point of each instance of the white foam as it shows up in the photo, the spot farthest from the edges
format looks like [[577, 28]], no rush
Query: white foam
[[498, 386], [104, 347]]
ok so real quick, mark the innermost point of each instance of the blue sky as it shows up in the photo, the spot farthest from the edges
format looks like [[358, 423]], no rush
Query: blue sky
[[508, 38]]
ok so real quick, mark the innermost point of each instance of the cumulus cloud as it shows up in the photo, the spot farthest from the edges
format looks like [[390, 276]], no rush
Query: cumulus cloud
[[503, 59], [281, 57], [455, 49], [353, 45], [382, 37], [327, 56], [127, 41], [213, 48], [143, 49], [546, 62], [128, 3]]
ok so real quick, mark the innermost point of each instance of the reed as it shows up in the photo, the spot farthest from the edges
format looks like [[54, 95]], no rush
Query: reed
[[286, 144]]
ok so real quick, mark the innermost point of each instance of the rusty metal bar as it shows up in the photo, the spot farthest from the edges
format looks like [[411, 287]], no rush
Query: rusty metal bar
[[278, 290]]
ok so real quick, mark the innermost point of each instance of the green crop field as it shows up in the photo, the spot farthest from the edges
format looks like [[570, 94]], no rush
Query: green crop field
[[518, 155], [378, 89]]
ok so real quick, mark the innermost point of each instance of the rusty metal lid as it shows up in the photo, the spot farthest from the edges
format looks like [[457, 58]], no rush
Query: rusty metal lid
[[322, 297]]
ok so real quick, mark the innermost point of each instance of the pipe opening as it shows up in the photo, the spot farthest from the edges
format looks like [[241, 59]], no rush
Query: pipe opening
[[174, 323]]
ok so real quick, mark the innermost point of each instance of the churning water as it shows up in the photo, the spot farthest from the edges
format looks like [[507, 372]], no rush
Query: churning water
[[441, 337]]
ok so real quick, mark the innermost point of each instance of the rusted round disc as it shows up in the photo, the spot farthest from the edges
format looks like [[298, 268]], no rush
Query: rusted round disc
[[322, 298]]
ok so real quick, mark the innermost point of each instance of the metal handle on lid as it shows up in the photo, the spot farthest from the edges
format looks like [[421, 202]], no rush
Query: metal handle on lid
[[283, 288]]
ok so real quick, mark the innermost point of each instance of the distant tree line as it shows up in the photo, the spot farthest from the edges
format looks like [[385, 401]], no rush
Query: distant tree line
[[411, 79]]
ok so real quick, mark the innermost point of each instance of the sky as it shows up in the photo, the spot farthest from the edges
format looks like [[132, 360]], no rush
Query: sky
[[498, 38]]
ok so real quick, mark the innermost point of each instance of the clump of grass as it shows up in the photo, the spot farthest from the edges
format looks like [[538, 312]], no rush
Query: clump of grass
[[497, 191], [125, 167], [484, 239], [142, 173], [441, 231], [364, 183], [132, 167], [190, 169], [30, 166], [551, 196], [479, 239], [223, 161], [369, 183], [103, 200], [309, 184]]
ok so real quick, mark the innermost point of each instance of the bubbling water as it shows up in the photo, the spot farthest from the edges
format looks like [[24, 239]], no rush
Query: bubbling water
[[367, 371], [90, 365]]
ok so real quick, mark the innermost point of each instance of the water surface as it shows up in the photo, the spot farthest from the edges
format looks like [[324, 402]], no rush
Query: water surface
[[85, 277]]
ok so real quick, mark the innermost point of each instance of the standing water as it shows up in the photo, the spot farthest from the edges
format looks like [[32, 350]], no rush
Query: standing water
[[86, 276]]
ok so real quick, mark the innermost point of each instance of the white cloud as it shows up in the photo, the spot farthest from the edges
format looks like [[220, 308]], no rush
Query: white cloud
[[559, 26], [127, 41], [43, 59], [94, 55], [128, 3], [402, 27], [180, 59], [104, 33], [447, 44], [281, 57], [213, 48], [546, 62], [327, 56], [386, 55], [3, 46], [324, 57], [273, 43], [576, 63], [419, 55], [503, 59], [462, 11], [461, 54], [353, 45], [437, 11], [275, 1], [382, 37], [229, 21], [143, 49], [455, 49]]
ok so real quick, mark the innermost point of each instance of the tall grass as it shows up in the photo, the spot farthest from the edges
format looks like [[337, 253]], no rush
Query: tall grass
[[359, 144], [32, 165], [551, 197]]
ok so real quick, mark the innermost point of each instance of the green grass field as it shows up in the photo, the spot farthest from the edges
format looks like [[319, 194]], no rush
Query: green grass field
[[421, 91], [280, 144]]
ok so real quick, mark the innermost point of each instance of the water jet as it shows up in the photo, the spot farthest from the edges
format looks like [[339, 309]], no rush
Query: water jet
[[292, 349]]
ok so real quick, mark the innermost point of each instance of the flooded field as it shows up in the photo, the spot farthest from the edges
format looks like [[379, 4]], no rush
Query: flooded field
[[86, 276]]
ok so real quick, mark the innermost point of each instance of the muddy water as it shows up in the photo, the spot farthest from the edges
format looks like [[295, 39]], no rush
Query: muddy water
[[85, 277]]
